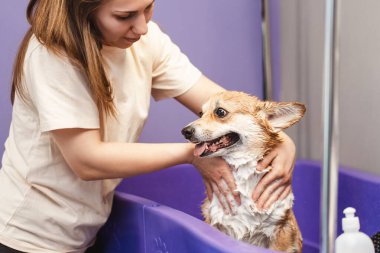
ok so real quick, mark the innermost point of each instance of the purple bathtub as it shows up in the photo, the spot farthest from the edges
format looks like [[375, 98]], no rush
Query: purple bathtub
[[160, 212]]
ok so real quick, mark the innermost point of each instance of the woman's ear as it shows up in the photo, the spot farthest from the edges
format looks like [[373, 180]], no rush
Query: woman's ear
[[281, 115]]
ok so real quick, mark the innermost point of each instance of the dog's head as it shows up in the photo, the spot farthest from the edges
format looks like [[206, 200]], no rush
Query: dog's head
[[235, 121]]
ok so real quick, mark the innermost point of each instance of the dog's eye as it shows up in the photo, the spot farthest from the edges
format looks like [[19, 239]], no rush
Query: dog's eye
[[220, 112], [200, 114]]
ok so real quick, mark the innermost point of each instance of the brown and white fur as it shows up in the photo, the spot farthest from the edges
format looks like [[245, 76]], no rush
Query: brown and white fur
[[242, 129]]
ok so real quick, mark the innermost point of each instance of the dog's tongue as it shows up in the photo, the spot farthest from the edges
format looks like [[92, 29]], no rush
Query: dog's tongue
[[199, 149]]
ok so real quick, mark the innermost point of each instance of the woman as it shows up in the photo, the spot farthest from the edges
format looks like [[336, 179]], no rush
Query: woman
[[82, 83]]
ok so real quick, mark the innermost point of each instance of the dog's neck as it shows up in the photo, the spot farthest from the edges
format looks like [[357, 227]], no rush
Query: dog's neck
[[249, 155], [247, 158]]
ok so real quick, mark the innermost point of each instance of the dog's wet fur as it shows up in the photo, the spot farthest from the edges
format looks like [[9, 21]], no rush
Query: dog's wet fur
[[242, 129]]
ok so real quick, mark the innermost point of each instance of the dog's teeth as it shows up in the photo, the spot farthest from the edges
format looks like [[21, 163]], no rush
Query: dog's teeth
[[213, 148]]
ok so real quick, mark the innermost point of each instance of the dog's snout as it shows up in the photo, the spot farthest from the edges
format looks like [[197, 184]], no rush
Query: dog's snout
[[188, 132]]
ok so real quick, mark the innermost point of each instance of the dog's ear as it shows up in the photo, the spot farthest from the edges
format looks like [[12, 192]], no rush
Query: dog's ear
[[281, 115]]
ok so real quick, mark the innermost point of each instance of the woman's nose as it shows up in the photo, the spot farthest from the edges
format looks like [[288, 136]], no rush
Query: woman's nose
[[140, 26]]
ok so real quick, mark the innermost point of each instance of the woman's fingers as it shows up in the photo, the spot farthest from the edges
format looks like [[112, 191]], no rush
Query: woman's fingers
[[285, 193], [221, 197], [208, 190], [268, 193], [274, 196], [280, 194], [263, 184], [229, 180], [266, 161], [219, 179], [222, 193]]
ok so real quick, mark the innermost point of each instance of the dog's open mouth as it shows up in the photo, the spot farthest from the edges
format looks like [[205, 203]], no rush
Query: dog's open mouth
[[209, 147]]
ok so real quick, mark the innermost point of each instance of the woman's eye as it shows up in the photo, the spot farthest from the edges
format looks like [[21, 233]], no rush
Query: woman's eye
[[220, 112], [123, 17]]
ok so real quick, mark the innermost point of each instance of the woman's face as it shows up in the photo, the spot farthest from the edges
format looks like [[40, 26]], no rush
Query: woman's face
[[122, 22]]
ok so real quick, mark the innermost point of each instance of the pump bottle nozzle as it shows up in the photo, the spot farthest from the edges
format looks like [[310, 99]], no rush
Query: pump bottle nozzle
[[350, 223]]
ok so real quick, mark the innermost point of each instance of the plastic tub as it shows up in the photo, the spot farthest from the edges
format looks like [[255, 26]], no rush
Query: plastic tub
[[166, 218]]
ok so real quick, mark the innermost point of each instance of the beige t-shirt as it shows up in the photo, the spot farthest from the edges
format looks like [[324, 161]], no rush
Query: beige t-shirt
[[44, 206]]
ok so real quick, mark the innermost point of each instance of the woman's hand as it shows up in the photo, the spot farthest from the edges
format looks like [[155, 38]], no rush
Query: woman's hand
[[276, 184], [218, 179]]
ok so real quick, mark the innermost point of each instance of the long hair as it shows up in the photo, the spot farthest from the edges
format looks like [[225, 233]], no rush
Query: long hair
[[66, 28]]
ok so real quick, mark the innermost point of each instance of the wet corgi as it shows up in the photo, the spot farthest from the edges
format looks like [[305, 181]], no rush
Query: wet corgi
[[241, 129]]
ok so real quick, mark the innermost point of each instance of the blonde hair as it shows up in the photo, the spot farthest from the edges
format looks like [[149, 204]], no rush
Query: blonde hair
[[66, 28]]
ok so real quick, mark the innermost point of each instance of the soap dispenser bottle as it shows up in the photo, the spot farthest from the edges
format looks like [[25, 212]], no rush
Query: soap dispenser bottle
[[352, 240]]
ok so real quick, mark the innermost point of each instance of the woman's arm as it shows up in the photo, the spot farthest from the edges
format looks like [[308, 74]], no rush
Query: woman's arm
[[197, 95], [92, 159]]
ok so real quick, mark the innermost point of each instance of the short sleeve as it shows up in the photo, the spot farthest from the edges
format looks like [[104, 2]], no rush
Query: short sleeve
[[59, 92], [173, 73]]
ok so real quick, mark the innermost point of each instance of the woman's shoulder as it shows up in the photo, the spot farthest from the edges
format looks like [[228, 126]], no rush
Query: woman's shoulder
[[38, 55], [35, 48]]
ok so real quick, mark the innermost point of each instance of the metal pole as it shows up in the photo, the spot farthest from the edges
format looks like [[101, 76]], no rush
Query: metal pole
[[267, 59], [330, 128]]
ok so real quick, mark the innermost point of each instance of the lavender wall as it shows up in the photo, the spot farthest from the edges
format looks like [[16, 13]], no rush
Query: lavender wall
[[222, 38], [12, 28]]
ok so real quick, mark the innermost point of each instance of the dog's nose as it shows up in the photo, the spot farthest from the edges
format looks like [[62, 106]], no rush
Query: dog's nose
[[188, 132]]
